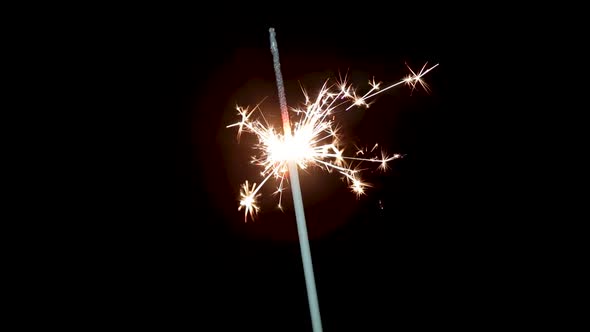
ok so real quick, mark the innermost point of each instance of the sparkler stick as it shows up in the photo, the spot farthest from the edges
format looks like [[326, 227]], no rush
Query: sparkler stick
[[312, 296]]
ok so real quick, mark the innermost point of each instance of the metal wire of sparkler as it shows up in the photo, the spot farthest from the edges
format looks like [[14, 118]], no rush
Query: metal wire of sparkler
[[297, 198]]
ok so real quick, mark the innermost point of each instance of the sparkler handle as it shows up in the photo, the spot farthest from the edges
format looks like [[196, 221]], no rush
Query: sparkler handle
[[312, 296]]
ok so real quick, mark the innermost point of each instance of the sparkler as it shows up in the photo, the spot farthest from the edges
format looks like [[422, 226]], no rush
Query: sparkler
[[313, 142]]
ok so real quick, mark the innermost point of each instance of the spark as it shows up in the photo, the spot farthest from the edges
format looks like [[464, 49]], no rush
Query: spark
[[248, 200], [417, 78], [315, 139]]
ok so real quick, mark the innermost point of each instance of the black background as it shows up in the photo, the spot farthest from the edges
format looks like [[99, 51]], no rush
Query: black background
[[177, 251]]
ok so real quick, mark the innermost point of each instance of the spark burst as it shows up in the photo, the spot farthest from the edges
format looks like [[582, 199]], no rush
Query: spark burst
[[314, 140]]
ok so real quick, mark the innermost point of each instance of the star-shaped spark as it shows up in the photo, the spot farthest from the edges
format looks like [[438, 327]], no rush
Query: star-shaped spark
[[248, 200], [314, 140]]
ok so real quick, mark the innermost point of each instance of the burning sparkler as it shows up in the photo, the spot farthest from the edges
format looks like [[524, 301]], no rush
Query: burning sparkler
[[314, 140]]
